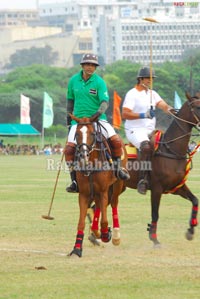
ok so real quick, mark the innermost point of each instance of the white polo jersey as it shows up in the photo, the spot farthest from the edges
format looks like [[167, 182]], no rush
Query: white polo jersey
[[138, 130], [140, 102]]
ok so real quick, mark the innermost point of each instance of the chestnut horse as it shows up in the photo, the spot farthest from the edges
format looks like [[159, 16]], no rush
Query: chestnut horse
[[95, 175], [170, 165]]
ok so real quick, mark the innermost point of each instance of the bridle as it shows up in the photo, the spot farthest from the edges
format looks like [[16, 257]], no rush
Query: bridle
[[196, 124], [83, 150]]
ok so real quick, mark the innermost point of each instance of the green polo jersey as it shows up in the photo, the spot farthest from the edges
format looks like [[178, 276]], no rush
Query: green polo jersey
[[87, 95]]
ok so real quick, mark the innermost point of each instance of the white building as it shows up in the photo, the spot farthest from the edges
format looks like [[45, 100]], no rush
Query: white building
[[119, 32], [112, 29], [132, 40]]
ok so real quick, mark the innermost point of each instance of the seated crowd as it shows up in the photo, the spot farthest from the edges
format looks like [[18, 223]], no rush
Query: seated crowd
[[26, 149]]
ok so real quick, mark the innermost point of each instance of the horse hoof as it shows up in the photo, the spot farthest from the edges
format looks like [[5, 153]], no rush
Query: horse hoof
[[92, 238], [157, 245], [189, 235], [116, 236], [96, 233], [75, 252], [116, 242]]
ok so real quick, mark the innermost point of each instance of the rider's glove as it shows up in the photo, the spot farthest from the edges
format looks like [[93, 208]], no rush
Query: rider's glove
[[149, 114]]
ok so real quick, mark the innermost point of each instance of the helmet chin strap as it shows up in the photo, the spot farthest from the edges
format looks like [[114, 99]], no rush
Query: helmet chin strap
[[145, 86]]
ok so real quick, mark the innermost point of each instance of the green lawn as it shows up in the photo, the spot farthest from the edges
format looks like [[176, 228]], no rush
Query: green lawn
[[133, 270]]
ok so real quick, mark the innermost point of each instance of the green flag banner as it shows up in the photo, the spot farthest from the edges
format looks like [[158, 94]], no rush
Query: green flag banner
[[177, 101], [47, 111]]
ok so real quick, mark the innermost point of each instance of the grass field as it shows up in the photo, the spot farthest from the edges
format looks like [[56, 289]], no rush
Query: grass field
[[133, 270]]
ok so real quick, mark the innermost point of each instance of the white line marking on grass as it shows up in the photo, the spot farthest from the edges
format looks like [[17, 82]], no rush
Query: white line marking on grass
[[32, 251]]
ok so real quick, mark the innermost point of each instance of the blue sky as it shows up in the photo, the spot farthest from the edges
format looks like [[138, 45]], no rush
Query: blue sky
[[9, 4]]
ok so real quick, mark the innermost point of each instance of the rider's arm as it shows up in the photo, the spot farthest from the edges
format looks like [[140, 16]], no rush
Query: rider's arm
[[129, 114], [102, 109], [164, 106], [70, 108]]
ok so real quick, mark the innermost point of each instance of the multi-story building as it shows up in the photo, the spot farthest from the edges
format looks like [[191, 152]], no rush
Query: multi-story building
[[113, 29], [132, 40], [119, 32], [17, 17]]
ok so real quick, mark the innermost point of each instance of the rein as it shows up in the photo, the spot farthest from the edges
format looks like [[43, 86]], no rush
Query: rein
[[188, 168], [197, 125], [173, 154], [89, 148]]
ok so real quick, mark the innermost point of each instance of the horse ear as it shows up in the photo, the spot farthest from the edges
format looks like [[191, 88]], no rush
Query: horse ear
[[197, 95], [188, 96], [74, 117]]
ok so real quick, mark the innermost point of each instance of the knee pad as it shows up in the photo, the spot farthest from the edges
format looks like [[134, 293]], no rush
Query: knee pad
[[70, 152], [116, 146]]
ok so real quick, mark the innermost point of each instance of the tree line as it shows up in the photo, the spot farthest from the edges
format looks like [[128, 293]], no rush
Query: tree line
[[33, 80]]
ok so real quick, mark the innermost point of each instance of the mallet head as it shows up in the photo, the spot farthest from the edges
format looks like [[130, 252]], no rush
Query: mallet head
[[150, 20], [47, 217]]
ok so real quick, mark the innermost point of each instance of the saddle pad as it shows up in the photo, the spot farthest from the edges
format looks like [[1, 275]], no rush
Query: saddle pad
[[131, 151], [158, 135]]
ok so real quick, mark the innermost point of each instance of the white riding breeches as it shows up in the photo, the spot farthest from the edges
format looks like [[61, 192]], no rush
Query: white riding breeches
[[106, 128], [136, 136]]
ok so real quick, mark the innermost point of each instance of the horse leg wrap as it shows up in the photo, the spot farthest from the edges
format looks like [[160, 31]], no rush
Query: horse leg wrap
[[152, 229], [95, 223], [79, 240], [106, 235], [193, 220], [115, 217]]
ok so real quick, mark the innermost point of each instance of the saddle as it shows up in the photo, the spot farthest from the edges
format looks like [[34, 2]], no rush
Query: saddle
[[132, 151]]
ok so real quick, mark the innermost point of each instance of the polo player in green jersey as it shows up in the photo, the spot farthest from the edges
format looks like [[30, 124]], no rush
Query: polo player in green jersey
[[88, 96]]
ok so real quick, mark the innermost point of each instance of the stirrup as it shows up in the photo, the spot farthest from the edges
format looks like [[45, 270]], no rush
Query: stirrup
[[142, 186], [122, 174], [73, 188]]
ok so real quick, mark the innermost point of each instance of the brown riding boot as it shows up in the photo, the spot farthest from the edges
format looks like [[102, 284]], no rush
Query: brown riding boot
[[145, 166], [69, 158], [116, 149]]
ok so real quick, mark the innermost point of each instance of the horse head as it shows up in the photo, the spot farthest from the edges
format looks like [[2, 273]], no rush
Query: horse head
[[85, 137], [194, 104]]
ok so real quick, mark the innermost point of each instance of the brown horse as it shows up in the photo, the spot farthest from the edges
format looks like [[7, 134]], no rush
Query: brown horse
[[169, 165], [95, 175]]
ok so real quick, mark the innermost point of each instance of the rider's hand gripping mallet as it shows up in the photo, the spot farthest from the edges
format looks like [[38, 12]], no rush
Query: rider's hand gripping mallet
[[48, 217]]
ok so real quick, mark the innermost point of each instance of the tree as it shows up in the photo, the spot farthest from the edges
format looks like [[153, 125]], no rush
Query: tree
[[30, 56], [34, 80]]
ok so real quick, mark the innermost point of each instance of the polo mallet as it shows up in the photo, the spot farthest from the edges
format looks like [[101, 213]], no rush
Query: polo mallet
[[48, 217], [151, 63]]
